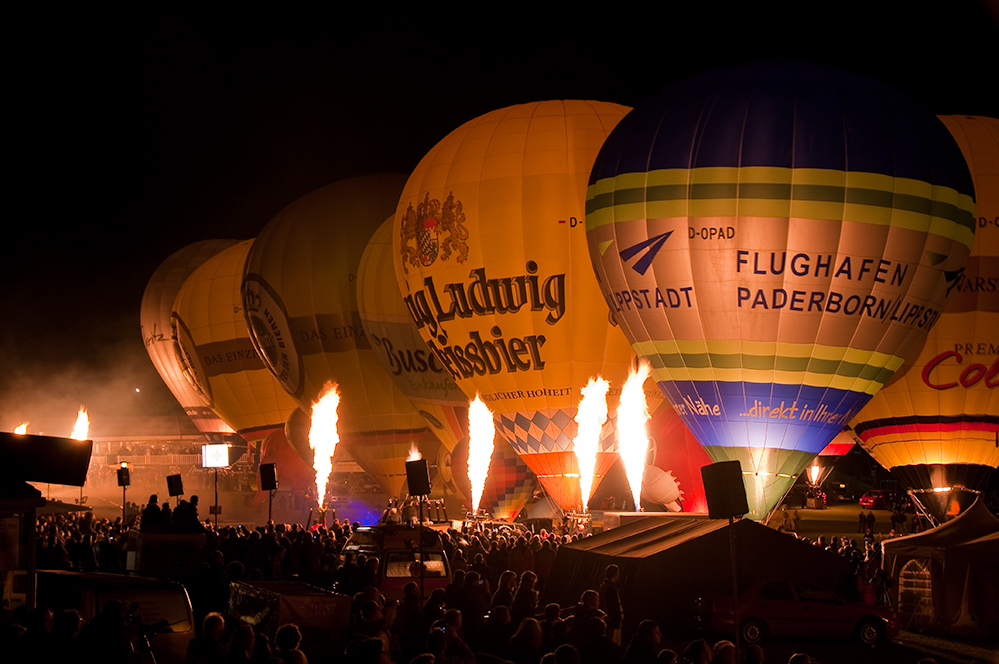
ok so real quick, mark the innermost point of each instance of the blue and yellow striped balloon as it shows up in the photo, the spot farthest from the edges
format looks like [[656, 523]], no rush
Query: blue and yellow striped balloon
[[775, 239]]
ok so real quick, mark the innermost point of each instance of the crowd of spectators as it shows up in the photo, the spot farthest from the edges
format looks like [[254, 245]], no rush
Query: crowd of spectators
[[489, 613]]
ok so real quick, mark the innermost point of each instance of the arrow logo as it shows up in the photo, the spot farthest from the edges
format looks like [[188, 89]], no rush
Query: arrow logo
[[651, 247], [953, 278]]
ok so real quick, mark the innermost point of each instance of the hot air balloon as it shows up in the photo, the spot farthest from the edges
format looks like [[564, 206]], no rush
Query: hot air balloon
[[774, 240], [154, 316], [213, 345], [936, 428], [673, 473], [491, 261], [396, 341], [300, 296], [510, 484], [824, 463]]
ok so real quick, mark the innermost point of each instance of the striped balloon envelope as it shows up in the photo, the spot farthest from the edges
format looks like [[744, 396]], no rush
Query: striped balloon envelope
[[937, 426], [213, 345], [774, 240], [154, 317]]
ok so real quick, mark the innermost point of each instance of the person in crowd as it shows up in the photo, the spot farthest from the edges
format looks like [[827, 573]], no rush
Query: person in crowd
[[610, 603], [526, 643], [241, 645], [151, 516], [505, 589], [644, 647], [210, 646], [723, 653], [599, 648], [697, 652], [753, 654], [525, 601], [286, 641], [666, 656]]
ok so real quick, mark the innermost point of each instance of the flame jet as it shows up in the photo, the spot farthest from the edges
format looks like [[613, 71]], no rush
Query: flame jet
[[323, 437]]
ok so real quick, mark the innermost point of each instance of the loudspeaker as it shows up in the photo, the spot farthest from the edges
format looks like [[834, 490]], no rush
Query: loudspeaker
[[123, 478], [418, 477], [175, 485], [268, 479], [724, 489]]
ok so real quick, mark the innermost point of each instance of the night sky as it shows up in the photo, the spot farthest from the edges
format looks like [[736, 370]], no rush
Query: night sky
[[134, 135]]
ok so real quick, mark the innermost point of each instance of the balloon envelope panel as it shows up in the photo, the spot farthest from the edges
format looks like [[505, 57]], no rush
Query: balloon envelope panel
[[936, 425], [775, 239], [214, 346], [394, 338], [154, 316], [491, 259]]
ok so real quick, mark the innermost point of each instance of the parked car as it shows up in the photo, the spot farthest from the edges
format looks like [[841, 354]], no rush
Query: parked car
[[401, 551], [877, 499], [160, 611], [840, 492], [800, 608]]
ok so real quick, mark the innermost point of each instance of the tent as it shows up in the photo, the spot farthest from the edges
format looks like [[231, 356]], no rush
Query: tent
[[668, 562], [947, 579]]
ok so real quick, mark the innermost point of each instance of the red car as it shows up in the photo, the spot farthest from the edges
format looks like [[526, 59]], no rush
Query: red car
[[877, 499], [799, 608]]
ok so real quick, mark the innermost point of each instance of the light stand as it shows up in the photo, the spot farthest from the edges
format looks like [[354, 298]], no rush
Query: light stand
[[123, 481], [215, 455], [215, 507]]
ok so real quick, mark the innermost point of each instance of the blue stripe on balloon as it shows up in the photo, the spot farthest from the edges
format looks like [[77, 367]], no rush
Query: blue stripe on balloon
[[763, 415]]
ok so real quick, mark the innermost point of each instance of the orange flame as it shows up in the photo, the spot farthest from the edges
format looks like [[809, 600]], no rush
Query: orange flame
[[82, 427], [414, 453], [590, 416], [21, 429], [323, 437], [481, 433], [813, 472], [632, 435]]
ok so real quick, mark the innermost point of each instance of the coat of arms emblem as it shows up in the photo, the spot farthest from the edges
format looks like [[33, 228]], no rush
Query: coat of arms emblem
[[433, 231]]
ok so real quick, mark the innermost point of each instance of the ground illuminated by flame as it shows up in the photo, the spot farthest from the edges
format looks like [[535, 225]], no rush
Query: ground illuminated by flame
[[481, 433], [632, 434], [82, 427], [590, 416], [323, 437]]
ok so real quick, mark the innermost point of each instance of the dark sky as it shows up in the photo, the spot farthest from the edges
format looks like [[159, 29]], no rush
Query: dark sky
[[134, 135]]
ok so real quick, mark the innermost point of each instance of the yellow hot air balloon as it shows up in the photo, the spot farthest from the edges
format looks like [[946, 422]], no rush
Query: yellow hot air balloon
[[154, 317], [214, 347], [397, 342], [300, 293], [937, 426], [491, 259]]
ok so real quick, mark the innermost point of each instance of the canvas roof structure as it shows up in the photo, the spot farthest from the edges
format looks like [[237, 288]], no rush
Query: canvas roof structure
[[668, 562], [962, 557]]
